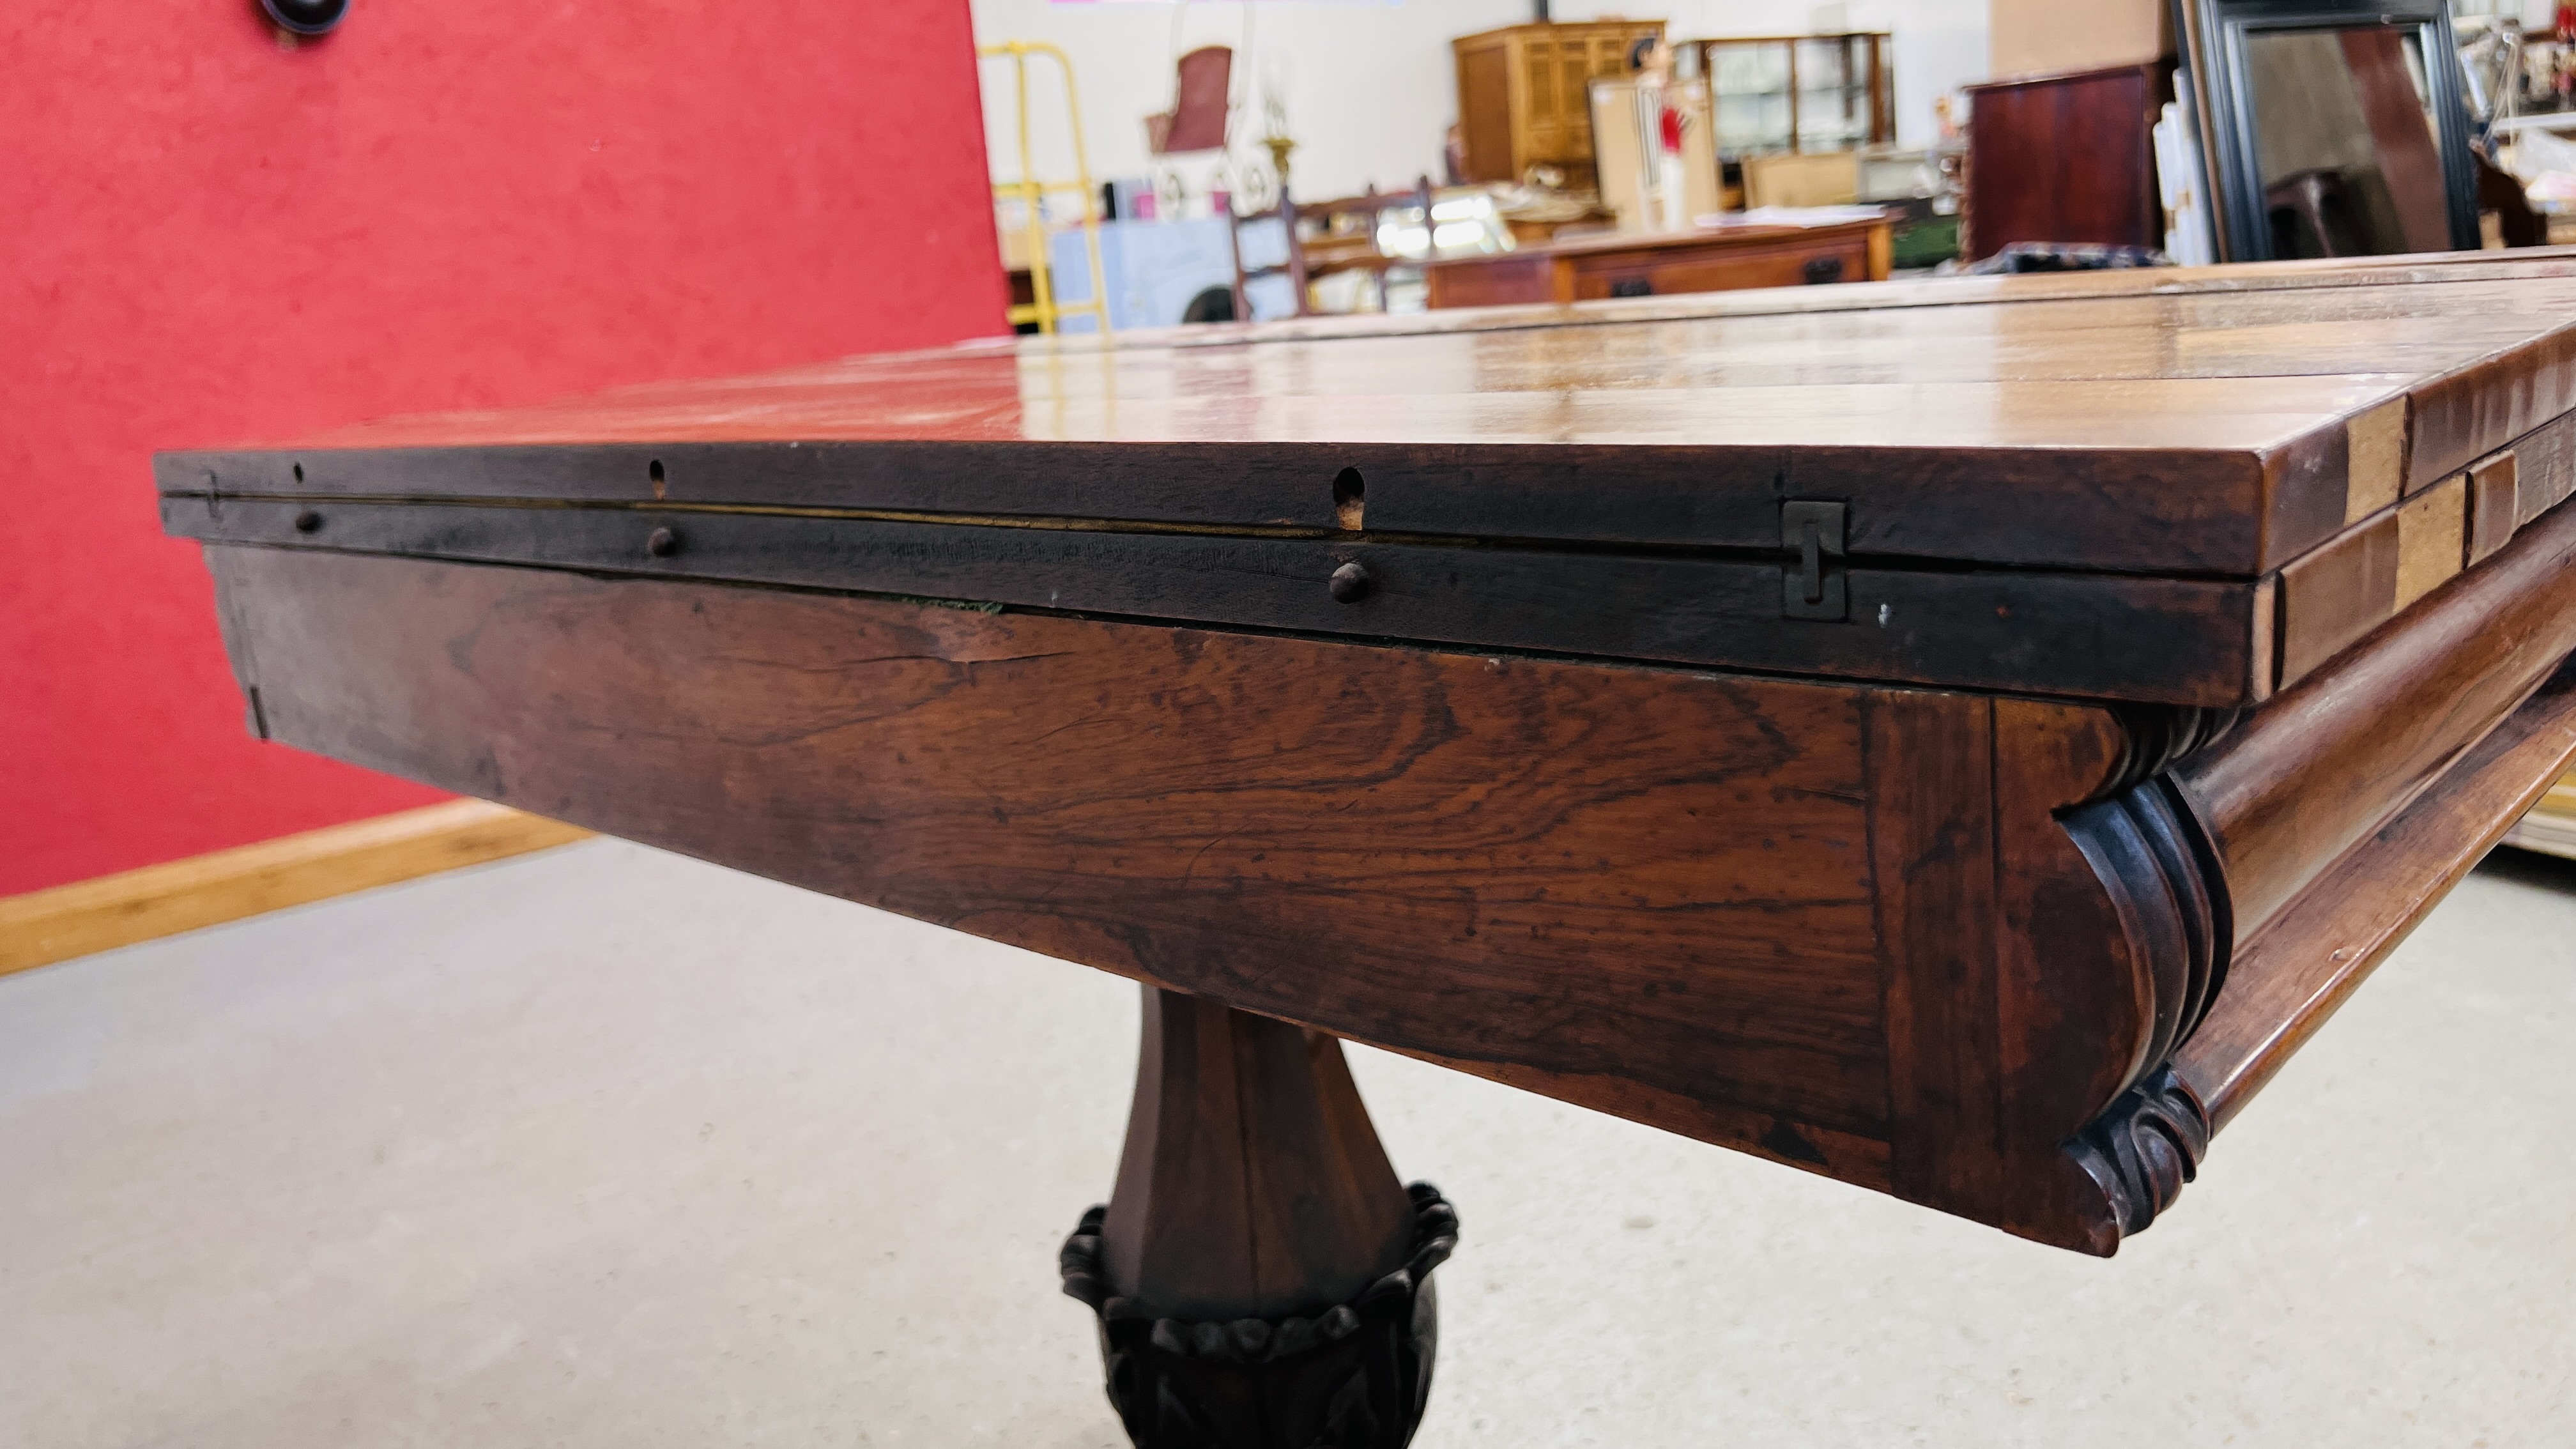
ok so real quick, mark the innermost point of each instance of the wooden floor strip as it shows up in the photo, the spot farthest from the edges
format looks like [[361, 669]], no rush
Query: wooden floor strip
[[42, 927]]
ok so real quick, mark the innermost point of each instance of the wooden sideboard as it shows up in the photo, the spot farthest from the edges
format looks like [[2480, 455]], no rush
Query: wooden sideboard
[[2065, 158], [1632, 264]]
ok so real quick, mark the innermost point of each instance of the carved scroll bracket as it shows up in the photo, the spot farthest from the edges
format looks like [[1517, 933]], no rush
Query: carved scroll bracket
[[2170, 894], [2144, 1147], [2155, 737]]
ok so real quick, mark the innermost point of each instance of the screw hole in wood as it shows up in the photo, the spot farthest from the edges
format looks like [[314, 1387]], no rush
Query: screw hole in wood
[[1350, 497]]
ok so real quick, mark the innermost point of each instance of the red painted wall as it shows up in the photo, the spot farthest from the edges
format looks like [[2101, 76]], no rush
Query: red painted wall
[[207, 236]]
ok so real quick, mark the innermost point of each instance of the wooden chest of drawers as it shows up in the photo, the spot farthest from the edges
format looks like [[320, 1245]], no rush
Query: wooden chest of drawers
[[1707, 259]]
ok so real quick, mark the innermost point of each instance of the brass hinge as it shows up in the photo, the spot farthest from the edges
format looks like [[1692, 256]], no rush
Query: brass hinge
[[1811, 586]]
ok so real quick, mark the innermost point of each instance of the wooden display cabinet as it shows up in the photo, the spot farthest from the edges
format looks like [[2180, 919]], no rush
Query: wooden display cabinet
[[1524, 95], [1779, 93]]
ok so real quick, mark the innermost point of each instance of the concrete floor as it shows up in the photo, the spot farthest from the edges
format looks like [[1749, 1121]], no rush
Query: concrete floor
[[609, 1148]]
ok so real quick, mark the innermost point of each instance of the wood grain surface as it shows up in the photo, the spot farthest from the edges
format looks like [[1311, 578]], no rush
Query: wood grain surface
[[1252, 1184], [1932, 838], [2209, 475], [2432, 540], [1919, 941], [2195, 431], [2183, 641], [2075, 1001], [2494, 512], [2064, 158], [2336, 594], [1642, 890], [2328, 760], [1914, 294], [43, 927], [2292, 975], [1953, 291], [2544, 469], [1213, 722]]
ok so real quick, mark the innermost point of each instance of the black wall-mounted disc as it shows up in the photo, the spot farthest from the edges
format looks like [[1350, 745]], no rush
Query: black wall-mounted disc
[[305, 17]]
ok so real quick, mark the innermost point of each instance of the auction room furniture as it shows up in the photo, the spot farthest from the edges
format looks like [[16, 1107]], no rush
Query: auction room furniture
[[1353, 233], [1646, 264], [1801, 92], [1269, 266], [1802, 178], [1627, 168], [2290, 89], [1202, 105], [1152, 269], [1524, 95], [1957, 738], [2065, 158], [1280, 253]]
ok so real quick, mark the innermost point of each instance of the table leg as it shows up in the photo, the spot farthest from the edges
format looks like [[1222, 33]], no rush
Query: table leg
[[1260, 1275]]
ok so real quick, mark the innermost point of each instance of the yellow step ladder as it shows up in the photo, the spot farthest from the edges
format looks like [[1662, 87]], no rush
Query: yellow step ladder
[[1045, 310]]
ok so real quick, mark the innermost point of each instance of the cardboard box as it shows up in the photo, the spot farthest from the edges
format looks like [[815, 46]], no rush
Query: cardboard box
[[2050, 37]]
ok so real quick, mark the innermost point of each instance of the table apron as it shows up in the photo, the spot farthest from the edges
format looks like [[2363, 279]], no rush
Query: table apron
[[2147, 639]]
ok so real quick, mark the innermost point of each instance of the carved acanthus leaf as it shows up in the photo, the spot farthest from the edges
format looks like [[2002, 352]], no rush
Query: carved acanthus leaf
[[2144, 1147]]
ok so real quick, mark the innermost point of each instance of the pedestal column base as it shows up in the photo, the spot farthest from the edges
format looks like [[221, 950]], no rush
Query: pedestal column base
[[1353, 1377], [1260, 1278]]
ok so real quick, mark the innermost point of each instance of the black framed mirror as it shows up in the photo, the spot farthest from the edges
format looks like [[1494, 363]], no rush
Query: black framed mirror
[[2332, 128]]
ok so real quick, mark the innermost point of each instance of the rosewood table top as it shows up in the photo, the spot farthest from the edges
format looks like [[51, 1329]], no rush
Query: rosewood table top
[[1957, 737], [2190, 485]]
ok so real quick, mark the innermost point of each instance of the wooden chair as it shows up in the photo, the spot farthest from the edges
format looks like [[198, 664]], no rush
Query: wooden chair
[[1339, 246], [1293, 268]]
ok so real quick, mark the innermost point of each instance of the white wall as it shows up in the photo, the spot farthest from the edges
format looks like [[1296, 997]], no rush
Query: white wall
[[2536, 15], [1369, 86]]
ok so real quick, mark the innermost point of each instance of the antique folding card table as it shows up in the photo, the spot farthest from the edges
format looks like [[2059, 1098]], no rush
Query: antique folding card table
[[1959, 738]]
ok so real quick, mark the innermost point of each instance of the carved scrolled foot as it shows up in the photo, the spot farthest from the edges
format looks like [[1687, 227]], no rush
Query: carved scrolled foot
[[1354, 1376], [2144, 1147]]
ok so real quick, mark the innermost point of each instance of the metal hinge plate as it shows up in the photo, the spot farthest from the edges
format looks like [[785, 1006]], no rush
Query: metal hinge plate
[[1811, 586]]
